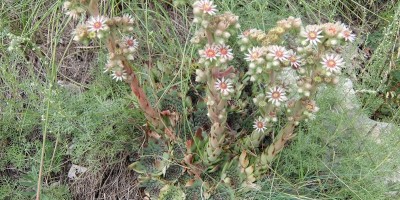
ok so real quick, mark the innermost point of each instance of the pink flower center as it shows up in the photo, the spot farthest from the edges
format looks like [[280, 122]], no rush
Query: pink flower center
[[292, 59], [312, 35], [130, 42], [207, 7], [210, 53], [279, 54], [254, 55], [118, 73], [276, 95], [223, 86], [331, 64], [332, 30], [246, 33], [346, 34], [310, 107], [260, 125], [97, 25], [223, 51]]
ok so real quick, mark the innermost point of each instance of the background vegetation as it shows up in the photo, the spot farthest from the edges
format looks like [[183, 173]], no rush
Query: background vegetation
[[53, 88]]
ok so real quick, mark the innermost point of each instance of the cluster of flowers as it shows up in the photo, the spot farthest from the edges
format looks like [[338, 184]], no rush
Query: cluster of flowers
[[309, 53], [102, 27], [220, 54], [17, 42], [215, 54], [74, 9], [306, 60], [290, 52], [267, 60]]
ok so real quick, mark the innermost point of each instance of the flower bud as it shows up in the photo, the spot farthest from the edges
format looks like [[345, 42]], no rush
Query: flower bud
[[269, 65], [300, 82], [260, 61], [328, 73], [222, 26], [227, 34], [333, 42], [66, 5], [130, 57], [204, 23], [245, 40], [218, 32], [220, 41], [297, 23], [300, 90], [280, 30], [255, 100], [196, 20], [259, 70], [335, 80], [328, 79], [196, 10]]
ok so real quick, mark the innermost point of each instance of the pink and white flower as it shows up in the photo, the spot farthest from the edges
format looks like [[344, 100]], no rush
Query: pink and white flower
[[96, 24], [295, 60], [128, 18], [225, 52], [311, 106], [260, 124], [224, 86], [80, 32], [131, 43], [255, 54], [312, 34], [119, 75], [72, 10], [331, 29], [332, 62], [206, 6], [210, 52], [245, 34], [278, 53], [347, 34], [276, 95]]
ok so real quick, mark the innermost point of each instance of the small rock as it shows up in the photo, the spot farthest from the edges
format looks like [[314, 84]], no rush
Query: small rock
[[74, 170]]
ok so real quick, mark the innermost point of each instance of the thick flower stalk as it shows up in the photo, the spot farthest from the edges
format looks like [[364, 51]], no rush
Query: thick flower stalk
[[213, 35], [121, 45], [265, 65]]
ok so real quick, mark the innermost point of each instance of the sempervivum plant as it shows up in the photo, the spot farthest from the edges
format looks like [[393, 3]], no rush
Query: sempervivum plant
[[285, 67]]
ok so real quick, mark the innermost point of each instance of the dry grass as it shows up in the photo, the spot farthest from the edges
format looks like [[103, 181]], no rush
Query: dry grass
[[111, 182]]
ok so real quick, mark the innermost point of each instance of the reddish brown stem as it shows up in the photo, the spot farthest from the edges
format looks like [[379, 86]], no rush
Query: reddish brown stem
[[94, 8], [152, 115], [220, 74]]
